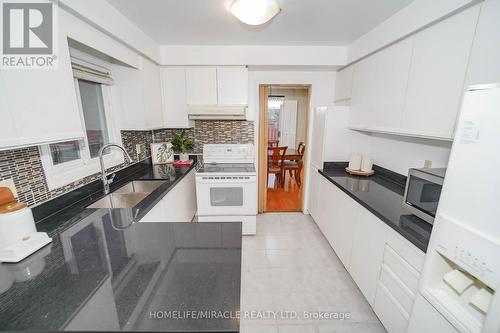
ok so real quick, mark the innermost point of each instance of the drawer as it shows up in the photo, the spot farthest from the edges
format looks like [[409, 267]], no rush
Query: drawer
[[397, 289], [409, 252], [391, 314], [402, 269]]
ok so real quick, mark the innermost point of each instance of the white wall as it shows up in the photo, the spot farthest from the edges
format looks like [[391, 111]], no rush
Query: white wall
[[253, 55], [396, 153]]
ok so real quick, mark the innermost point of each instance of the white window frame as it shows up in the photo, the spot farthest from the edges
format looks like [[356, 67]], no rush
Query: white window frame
[[66, 173]]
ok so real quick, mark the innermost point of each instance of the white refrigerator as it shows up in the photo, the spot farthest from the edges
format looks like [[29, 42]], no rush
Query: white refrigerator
[[459, 289], [316, 148]]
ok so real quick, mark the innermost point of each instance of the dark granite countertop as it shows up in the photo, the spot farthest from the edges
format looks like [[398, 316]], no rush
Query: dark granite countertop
[[52, 214], [103, 271], [382, 196]]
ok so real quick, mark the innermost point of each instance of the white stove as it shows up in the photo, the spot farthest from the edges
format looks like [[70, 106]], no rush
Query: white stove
[[226, 185]]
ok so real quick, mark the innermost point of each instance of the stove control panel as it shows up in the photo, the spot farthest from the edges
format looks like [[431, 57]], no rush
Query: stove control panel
[[228, 153]]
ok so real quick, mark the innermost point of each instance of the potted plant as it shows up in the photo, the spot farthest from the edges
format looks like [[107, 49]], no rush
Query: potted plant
[[182, 145]]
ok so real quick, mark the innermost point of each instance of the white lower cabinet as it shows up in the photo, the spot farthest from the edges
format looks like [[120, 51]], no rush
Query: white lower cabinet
[[385, 266], [336, 212], [178, 205], [388, 310], [367, 253]]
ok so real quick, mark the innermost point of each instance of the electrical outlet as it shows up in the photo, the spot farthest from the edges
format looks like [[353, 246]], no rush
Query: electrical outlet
[[10, 184], [428, 164]]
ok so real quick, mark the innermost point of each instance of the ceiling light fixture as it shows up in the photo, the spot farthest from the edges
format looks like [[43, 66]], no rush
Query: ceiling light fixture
[[255, 12]]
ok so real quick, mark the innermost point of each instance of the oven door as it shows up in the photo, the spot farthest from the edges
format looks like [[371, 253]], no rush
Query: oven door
[[234, 195], [422, 194]]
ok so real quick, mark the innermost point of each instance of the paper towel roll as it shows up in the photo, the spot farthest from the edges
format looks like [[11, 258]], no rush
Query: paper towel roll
[[355, 161], [366, 164]]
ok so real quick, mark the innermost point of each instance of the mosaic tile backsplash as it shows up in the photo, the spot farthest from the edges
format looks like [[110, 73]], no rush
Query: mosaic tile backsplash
[[24, 165], [213, 131]]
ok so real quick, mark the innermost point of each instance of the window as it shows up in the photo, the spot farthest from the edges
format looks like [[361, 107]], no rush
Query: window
[[65, 162], [64, 152], [93, 115], [96, 128]]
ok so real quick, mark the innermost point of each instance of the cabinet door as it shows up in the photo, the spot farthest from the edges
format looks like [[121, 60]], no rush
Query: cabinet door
[[437, 76], [312, 205], [343, 84], [363, 93], [8, 133], [337, 216], [180, 202], [232, 85], [390, 82], [201, 85], [128, 97], [175, 115], [367, 253], [152, 94], [156, 214], [43, 102], [379, 88]]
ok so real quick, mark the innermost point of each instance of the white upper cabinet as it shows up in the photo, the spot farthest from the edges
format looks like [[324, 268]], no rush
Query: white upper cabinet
[[8, 133], [232, 85], [201, 85], [389, 84], [437, 76], [137, 96], [415, 86], [175, 113], [217, 86], [379, 88], [152, 94], [42, 103], [343, 85], [363, 93]]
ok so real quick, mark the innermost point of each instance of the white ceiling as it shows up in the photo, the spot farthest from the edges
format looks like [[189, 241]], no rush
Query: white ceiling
[[301, 22]]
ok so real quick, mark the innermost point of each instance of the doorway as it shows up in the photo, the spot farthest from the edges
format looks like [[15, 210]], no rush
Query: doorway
[[283, 120]]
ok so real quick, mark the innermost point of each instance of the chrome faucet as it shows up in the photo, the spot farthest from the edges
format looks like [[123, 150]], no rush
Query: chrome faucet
[[104, 177]]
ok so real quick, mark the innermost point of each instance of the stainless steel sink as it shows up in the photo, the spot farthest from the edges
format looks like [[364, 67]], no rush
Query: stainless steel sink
[[143, 186], [119, 200], [128, 195]]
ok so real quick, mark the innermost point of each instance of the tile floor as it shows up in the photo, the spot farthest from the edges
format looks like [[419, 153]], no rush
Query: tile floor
[[289, 266]]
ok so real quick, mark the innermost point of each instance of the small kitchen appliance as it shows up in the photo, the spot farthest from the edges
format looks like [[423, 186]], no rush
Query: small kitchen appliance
[[423, 190], [18, 235], [226, 185]]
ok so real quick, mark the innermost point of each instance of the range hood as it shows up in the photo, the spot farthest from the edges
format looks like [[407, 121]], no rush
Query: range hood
[[213, 112]]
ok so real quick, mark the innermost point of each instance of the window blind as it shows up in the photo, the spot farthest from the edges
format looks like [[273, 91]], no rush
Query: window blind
[[84, 70]]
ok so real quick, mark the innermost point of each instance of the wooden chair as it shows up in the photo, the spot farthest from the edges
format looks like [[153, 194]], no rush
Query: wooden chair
[[297, 165], [273, 143], [276, 163]]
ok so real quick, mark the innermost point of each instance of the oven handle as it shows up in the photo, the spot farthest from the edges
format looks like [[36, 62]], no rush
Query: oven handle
[[226, 181]]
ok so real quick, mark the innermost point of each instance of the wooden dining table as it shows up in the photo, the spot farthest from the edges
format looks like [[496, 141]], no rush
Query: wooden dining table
[[291, 154]]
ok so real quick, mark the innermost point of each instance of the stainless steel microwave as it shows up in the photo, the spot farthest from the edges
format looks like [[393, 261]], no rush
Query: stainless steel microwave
[[422, 192]]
